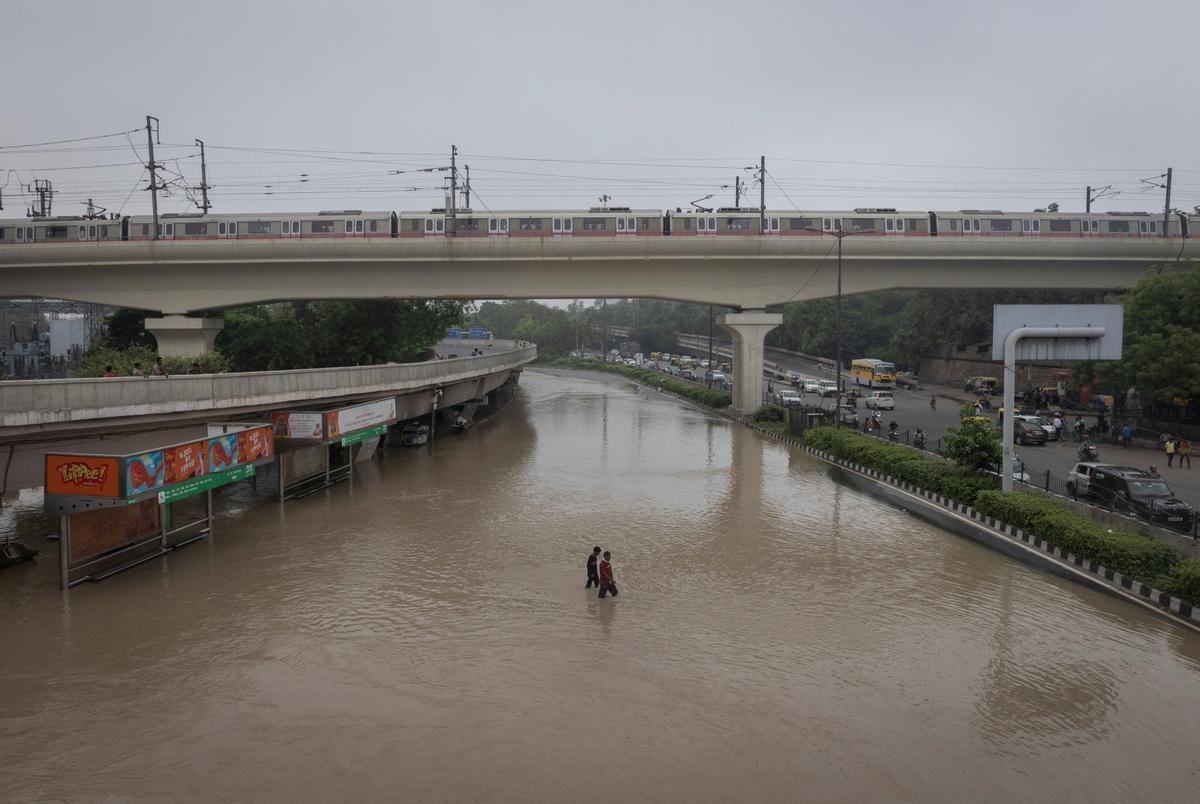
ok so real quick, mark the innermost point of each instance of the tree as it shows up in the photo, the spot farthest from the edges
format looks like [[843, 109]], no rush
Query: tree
[[126, 328], [974, 444]]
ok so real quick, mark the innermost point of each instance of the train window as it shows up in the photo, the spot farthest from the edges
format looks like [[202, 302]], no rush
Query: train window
[[440, 225], [712, 224], [1121, 227], [349, 227], [801, 224], [322, 227], [558, 224], [195, 228], [258, 228], [92, 231], [1025, 226], [827, 225], [374, 226], [899, 224], [287, 227], [233, 227], [975, 225], [1154, 230], [887, 225], [952, 225], [221, 228], [739, 224], [83, 232], [837, 224], [566, 224], [620, 224], [358, 227], [145, 230], [1061, 226], [774, 224], [20, 232], [1037, 227], [1142, 227], [170, 230], [429, 226], [914, 224], [491, 224], [504, 224], [1095, 227], [1001, 225], [645, 224], [55, 232], [29, 233], [595, 224], [530, 225]]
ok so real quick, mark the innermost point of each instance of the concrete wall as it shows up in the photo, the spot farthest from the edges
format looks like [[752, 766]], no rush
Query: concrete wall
[[40, 405], [741, 272], [955, 371]]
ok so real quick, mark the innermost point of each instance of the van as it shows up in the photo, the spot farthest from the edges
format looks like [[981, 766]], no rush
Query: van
[[881, 400]]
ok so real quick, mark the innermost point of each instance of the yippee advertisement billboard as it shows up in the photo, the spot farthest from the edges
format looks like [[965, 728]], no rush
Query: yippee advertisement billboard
[[145, 472], [83, 475], [185, 461]]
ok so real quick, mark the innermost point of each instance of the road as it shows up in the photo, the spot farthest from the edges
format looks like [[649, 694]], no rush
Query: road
[[913, 410]]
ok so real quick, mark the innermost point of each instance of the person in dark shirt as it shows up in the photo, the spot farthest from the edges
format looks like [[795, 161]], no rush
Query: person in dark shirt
[[593, 577], [606, 576]]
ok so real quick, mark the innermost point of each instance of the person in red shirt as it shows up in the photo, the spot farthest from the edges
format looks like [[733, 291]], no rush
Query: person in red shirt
[[606, 576]]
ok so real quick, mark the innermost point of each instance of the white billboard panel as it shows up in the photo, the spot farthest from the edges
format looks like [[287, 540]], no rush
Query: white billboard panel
[[1109, 317]]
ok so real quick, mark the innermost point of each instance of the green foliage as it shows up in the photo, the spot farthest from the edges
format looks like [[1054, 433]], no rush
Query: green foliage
[[907, 464], [1183, 581], [334, 333], [769, 413], [97, 360], [1128, 553], [974, 444], [1161, 356], [125, 328], [705, 396]]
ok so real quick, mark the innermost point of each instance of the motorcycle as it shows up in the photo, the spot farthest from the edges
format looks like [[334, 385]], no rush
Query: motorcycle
[[919, 439], [1088, 452], [893, 431]]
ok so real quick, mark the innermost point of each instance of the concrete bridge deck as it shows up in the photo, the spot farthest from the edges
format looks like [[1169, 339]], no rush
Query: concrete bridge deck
[[180, 277]]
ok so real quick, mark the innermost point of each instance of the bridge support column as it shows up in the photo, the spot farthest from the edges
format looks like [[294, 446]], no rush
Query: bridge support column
[[183, 336], [749, 330]]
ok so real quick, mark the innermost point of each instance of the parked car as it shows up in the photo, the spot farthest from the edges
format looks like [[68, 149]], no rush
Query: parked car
[[1026, 433], [787, 398], [1140, 493], [848, 415], [881, 400], [1079, 478], [1038, 421]]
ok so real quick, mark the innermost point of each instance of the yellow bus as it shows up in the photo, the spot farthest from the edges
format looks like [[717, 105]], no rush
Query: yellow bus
[[873, 373]]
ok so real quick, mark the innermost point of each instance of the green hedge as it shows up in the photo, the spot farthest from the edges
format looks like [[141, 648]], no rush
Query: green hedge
[[705, 396], [906, 464], [1126, 552]]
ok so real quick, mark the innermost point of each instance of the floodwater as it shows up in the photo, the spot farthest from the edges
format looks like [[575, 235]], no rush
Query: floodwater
[[427, 637]]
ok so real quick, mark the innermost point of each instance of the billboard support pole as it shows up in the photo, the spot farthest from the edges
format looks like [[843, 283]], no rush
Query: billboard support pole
[[64, 552], [1010, 384]]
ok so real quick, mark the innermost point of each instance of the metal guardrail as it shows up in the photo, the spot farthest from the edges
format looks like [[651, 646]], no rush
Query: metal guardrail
[[31, 403]]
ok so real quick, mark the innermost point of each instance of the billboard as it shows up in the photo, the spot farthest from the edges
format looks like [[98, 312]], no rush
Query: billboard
[[83, 475], [455, 332], [360, 417], [223, 452], [1110, 317], [185, 461], [477, 332], [145, 472], [255, 444], [298, 425]]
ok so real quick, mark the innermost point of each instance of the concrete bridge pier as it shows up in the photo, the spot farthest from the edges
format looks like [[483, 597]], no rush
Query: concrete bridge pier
[[184, 336], [749, 331]]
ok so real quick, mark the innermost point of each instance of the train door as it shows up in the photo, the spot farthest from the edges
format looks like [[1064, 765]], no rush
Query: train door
[[770, 225], [1148, 228], [1089, 228], [498, 227], [353, 228], [626, 225], [561, 226], [435, 227], [291, 228], [1031, 228], [893, 226], [227, 229], [971, 226]]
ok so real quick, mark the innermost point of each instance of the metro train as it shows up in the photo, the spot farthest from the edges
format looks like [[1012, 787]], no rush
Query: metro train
[[597, 222]]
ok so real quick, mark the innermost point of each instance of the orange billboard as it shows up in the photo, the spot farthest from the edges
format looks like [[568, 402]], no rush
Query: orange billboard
[[185, 461], [254, 444], [83, 475]]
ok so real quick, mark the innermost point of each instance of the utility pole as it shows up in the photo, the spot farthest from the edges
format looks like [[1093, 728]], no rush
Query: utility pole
[[203, 178], [711, 367], [604, 330], [1167, 205], [737, 192], [453, 187], [151, 133], [1088, 208], [44, 189], [837, 337], [467, 188], [762, 191]]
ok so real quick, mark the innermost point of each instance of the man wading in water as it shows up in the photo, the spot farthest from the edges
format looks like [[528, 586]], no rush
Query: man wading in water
[[606, 576], [593, 576]]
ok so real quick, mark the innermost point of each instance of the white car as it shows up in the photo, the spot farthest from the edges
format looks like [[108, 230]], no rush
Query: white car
[[788, 399], [881, 400], [813, 387], [717, 376], [828, 388], [1038, 421]]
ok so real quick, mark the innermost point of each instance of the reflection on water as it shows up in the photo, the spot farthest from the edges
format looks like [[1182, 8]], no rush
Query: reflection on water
[[427, 637]]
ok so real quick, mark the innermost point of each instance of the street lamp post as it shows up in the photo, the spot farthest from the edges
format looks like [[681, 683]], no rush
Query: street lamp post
[[436, 393]]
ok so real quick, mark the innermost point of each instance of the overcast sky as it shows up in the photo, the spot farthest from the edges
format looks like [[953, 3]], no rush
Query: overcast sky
[[925, 105]]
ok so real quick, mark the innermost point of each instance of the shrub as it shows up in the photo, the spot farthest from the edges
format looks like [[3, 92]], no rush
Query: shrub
[[768, 413], [1183, 581], [705, 396]]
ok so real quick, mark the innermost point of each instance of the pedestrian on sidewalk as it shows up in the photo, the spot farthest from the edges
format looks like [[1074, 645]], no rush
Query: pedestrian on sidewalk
[[606, 575], [593, 576], [1184, 448], [1170, 448], [933, 401], [1126, 436]]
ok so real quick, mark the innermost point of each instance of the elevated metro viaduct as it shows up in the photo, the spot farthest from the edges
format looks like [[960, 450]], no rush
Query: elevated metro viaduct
[[747, 273]]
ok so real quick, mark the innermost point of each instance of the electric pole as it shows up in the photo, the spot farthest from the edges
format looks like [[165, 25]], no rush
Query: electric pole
[[762, 191], [453, 187], [151, 133], [203, 178], [44, 189], [737, 192], [467, 188], [1167, 205], [1088, 208], [604, 330]]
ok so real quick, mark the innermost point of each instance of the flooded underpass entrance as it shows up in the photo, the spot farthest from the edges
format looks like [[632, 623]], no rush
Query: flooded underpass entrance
[[426, 635]]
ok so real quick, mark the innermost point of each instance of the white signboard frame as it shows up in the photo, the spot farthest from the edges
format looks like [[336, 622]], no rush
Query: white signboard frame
[[1109, 317]]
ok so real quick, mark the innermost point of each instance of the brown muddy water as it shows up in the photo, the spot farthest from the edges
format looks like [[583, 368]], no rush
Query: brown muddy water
[[427, 637]]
